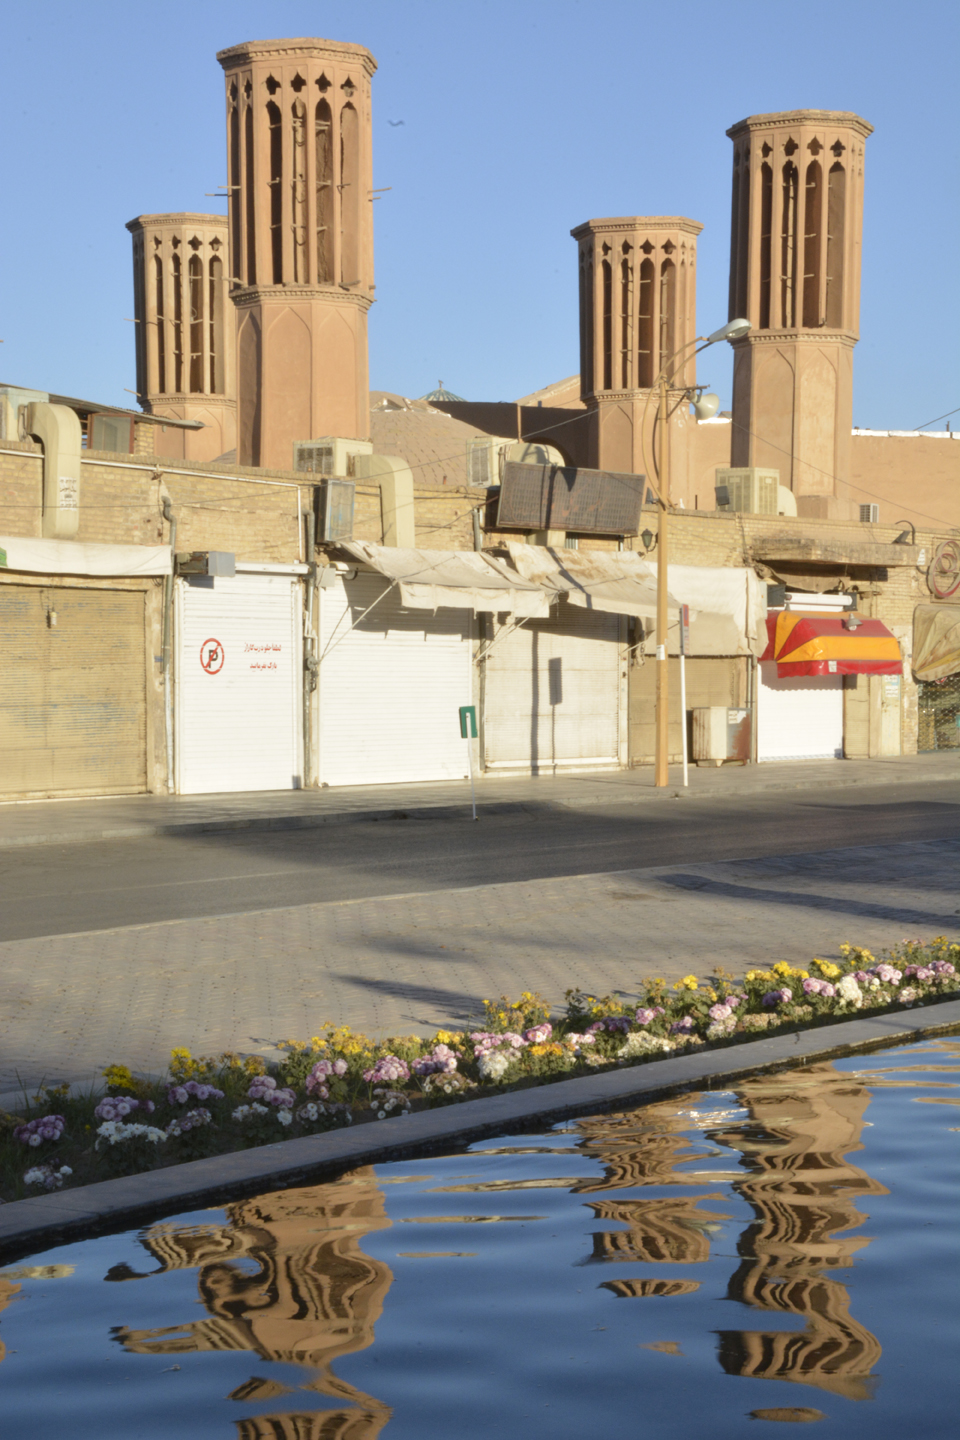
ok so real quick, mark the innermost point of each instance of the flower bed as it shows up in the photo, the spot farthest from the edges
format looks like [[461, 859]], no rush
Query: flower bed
[[230, 1102]]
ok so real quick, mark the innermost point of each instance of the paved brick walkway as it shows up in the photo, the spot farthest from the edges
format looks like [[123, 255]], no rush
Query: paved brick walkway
[[71, 1004]]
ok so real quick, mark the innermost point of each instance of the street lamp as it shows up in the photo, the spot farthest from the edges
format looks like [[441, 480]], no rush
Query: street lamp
[[704, 407]]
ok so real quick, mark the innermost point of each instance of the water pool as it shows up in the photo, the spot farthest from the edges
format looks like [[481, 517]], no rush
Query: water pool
[[782, 1252]]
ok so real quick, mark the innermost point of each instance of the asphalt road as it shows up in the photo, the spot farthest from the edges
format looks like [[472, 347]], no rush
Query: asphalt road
[[63, 889]]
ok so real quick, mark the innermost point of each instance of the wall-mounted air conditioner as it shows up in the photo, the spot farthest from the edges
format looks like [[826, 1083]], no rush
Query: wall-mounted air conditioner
[[335, 505], [330, 455], [485, 456], [869, 514], [749, 490]]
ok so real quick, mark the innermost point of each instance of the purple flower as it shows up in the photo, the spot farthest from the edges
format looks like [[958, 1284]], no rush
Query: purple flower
[[538, 1034], [812, 986], [180, 1094], [780, 997], [389, 1068], [440, 1060], [861, 976], [682, 1026], [617, 1023], [35, 1132], [264, 1088], [645, 1016], [943, 967], [487, 1040], [595, 1028]]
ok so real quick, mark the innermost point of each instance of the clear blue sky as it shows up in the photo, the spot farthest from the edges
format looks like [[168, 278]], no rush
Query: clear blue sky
[[521, 118]]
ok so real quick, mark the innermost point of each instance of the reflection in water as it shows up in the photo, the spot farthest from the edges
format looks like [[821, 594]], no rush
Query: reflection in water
[[792, 1142], [286, 1279]]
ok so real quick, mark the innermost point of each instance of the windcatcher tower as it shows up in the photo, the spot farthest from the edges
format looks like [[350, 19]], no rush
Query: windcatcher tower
[[795, 275], [299, 161], [186, 333], [637, 308]]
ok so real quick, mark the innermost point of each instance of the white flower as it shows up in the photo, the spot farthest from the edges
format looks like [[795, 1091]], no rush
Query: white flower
[[114, 1132], [244, 1112], [284, 1116], [65, 1170], [36, 1176], [494, 1065], [641, 1043], [722, 1027], [849, 992]]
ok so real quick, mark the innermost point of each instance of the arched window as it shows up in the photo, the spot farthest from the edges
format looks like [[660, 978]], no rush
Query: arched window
[[248, 195], [645, 345], [161, 327], [350, 198], [626, 322], [177, 287], [668, 311], [195, 273], [788, 248], [276, 190], [766, 243], [836, 229], [234, 198], [811, 245], [607, 275], [324, 182], [584, 346], [215, 311], [298, 187]]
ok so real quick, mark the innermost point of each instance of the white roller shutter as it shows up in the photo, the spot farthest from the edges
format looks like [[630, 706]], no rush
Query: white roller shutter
[[800, 718], [391, 685], [552, 693], [238, 684]]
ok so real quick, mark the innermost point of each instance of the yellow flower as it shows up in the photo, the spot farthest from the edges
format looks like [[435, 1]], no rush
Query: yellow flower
[[118, 1076], [828, 970], [782, 968], [689, 982]]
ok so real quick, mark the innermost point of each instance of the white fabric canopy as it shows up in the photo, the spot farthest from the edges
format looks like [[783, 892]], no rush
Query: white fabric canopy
[[728, 605], [616, 582], [464, 579], [76, 557]]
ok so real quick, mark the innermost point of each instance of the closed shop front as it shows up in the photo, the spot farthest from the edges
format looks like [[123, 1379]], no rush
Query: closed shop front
[[73, 697], [553, 693], [238, 684], [800, 717], [391, 684]]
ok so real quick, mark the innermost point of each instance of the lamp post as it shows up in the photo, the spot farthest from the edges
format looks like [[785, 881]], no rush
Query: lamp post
[[703, 407]]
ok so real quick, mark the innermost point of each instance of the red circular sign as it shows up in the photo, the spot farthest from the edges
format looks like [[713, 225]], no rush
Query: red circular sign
[[211, 656]]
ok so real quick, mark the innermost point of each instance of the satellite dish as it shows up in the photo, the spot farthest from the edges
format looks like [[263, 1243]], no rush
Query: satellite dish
[[706, 407]]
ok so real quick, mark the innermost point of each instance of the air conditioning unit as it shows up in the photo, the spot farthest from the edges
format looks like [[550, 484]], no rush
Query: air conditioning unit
[[720, 733], [749, 490], [330, 455], [869, 514], [485, 456], [335, 504]]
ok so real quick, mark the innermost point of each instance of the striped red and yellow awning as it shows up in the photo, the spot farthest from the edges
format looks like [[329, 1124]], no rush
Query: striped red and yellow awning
[[817, 644]]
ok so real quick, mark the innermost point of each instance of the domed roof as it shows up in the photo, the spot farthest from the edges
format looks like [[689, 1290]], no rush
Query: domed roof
[[441, 394]]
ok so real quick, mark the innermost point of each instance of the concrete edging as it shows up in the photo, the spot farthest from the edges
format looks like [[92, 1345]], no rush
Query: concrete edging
[[45, 1220]]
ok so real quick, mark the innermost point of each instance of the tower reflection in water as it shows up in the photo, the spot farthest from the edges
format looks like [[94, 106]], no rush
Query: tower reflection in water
[[792, 1149], [286, 1279]]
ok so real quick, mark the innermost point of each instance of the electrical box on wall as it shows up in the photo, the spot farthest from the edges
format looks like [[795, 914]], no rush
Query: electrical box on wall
[[207, 562]]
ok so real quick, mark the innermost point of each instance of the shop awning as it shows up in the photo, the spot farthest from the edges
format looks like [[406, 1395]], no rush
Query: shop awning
[[618, 582], [828, 645], [463, 579], [726, 603], [936, 641], [80, 557]]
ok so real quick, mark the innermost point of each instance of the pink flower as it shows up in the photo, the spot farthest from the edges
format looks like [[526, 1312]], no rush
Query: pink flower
[[645, 1016], [682, 1026], [888, 974], [720, 1012], [538, 1034], [388, 1068]]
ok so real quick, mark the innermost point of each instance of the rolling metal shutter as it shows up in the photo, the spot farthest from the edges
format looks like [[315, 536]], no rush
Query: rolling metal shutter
[[552, 693], [239, 669], [73, 697], [390, 687], [800, 718]]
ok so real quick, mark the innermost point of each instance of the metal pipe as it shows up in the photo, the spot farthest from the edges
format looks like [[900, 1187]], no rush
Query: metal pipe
[[167, 645], [310, 663]]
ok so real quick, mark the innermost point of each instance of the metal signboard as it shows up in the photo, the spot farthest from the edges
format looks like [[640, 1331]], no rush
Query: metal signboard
[[558, 497]]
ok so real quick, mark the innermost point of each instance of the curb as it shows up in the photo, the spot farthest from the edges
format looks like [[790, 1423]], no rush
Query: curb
[[446, 810], [45, 1220]]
